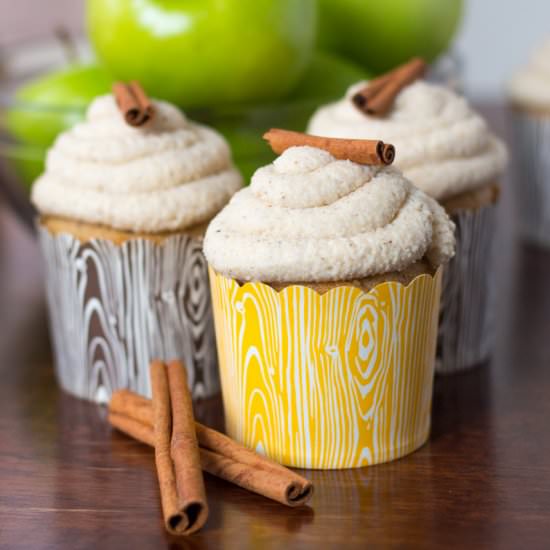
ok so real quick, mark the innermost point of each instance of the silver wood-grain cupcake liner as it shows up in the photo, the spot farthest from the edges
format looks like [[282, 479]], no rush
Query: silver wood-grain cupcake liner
[[113, 308], [532, 139], [466, 319]]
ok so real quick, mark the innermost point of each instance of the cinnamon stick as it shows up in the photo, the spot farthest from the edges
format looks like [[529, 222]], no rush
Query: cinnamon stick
[[379, 95], [220, 455], [126, 403], [373, 88], [363, 151], [270, 484], [144, 433], [174, 520], [135, 106], [130, 404], [185, 451]]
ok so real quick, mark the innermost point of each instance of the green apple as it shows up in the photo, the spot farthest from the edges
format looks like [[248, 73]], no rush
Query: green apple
[[328, 77], [325, 79], [249, 150], [49, 105], [27, 162], [199, 53], [243, 128], [383, 34]]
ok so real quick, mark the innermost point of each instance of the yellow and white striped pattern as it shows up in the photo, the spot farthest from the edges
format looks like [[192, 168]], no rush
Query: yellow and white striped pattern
[[338, 380]]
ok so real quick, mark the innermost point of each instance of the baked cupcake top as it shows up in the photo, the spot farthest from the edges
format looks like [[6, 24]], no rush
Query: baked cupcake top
[[170, 174], [530, 86], [442, 145], [308, 217]]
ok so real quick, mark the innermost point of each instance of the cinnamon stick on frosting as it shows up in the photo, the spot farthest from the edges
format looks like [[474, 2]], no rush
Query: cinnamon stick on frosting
[[135, 106], [379, 95], [220, 455], [362, 151], [177, 458]]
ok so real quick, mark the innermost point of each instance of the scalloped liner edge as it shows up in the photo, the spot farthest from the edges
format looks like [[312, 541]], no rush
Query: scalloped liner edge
[[414, 282]]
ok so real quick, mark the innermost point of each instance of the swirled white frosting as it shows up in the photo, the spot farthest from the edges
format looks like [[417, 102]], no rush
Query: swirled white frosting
[[530, 86], [310, 217], [171, 174], [441, 144]]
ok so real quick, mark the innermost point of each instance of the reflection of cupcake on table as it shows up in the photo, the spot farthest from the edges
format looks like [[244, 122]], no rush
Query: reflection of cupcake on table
[[529, 93], [445, 149], [123, 210], [325, 286]]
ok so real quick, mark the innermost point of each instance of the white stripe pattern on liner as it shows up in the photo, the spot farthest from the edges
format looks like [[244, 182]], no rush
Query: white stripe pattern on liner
[[532, 138], [466, 319], [333, 381], [114, 308]]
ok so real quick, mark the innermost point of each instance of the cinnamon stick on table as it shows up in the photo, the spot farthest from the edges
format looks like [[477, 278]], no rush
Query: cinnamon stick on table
[[177, 457], [173, 518], [363, 151], [220, 455], [135, 106], [379, 95], [185, 450]]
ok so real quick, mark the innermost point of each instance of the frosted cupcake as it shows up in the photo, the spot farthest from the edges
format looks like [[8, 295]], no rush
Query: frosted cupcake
[[447, 150], [529, 93], [325, 279], [123, 212]]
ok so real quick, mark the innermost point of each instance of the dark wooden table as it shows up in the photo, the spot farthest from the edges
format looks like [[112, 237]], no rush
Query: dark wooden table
[[482, 481]]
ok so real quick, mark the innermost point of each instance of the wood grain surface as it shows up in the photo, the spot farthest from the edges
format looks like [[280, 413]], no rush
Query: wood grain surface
[[482, 481]]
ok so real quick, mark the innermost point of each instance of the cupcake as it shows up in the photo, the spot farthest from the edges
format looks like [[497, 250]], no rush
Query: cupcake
[[122, 215], [445, 149], [325, 278], [529, 94]]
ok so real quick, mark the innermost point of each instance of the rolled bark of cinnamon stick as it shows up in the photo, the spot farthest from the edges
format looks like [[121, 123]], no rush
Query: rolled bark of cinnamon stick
[[135, 106], [130, 404], [126, 403], [379, 95], [185, 451], [373, 88], [269, 483], [220, 455], [362, 151], [174, 520], [134, 428]]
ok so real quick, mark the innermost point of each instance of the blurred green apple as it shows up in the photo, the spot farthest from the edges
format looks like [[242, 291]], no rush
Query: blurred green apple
[[27, 162], [199, 53], [383, 34], [328, 77], [49, 105], [249, 150]]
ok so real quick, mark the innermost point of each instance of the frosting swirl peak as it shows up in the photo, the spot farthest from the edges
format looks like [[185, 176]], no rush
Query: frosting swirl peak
[[310, 217], [442, 145], [169, 175], [531, 85]]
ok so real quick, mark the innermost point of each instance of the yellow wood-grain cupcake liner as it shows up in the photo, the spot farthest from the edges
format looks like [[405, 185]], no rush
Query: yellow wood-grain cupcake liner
[[338, 380]]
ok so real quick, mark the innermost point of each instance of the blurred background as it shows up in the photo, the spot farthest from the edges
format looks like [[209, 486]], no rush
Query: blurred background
[[495, 36]]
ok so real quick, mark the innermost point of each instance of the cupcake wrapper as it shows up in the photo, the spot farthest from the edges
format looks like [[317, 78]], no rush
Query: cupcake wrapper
[[338, 380], [466, 324], [532, 137], [114, 308]]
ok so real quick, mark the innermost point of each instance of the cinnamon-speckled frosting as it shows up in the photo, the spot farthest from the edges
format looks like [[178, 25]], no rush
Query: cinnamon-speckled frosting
[[530, 86], [168, 175], [309, 217], [442, 145]]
